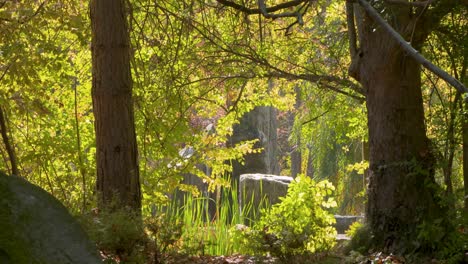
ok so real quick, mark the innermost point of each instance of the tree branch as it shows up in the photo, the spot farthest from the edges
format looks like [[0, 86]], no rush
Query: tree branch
[[415, 4], [252, 11], [323, 80], [315, 118], [270, 12], [410, 50]]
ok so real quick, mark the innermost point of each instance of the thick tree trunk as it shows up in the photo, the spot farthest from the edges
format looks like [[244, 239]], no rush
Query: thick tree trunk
[[401, 193], [401, 190], [116, 148]]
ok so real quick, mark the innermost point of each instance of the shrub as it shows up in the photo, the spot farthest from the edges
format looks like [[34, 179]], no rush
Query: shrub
[[163, 232], [118, 234], [353, 229], [301, 223], [360, 238]]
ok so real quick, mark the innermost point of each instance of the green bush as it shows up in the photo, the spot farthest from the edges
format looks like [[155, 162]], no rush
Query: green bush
[[300, 224], [164, 233], [118, 234], [353, 229], [360, 238]]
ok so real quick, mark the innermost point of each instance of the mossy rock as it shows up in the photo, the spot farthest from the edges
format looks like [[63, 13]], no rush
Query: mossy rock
[[35, 228]]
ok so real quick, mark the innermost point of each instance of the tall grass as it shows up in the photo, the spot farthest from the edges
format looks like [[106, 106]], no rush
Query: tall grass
[[210, 235]]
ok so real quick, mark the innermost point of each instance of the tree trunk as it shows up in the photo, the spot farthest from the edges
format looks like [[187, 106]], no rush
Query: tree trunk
[[449, 152], [464, 106], [296, 160], [9, 148], [465, 155], [296, 153], [401, 190], [116, 147]]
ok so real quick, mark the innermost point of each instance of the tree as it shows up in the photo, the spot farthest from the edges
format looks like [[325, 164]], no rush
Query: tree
[[402, 194], [8, 146], [116, 147]]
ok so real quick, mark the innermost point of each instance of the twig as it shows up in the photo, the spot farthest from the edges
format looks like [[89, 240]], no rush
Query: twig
[[315, 118]]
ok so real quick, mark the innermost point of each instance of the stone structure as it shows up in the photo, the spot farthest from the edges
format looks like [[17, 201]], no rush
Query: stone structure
[[36, 228], [259, 124], [343, 222], [253, 188]]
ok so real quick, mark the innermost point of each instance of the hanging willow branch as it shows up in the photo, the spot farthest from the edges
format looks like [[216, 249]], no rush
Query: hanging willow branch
[[410, 50]]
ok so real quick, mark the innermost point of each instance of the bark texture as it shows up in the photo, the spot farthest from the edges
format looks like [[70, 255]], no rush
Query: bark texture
[[401, 190], [8, 146], [296, 153], [465, 156], [116, 148]]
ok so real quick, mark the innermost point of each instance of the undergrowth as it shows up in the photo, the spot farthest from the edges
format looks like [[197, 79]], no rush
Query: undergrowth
[[300, 224]]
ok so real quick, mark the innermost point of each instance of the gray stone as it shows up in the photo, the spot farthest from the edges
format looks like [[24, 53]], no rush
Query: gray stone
[[36, 228], [253, 188], [259, 124], [343, 222]]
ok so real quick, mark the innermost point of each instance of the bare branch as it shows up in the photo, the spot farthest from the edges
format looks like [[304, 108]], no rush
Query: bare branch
[[270, 12], [315, 118], [27, 19], [415, 4], [324, 81], [410, 50], [264, 10], [252, 11], [5, 71]]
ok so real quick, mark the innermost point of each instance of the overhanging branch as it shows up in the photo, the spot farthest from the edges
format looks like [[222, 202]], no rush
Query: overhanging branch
[[252, 11], [271, 12], [407, 3], [410, 50], [326, 81]]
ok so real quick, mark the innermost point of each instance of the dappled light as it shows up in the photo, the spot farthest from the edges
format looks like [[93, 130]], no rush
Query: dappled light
[[229, 131]]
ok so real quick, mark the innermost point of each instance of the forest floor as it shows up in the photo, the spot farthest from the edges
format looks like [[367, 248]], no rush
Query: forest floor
[[323, 258], [241, 259], [317, 259]]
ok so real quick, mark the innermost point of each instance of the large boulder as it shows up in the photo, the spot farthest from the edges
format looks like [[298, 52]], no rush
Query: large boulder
[[253, 188], [36, 228]]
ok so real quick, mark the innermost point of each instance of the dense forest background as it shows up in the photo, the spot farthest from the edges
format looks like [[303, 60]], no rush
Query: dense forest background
[[195, 68]]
